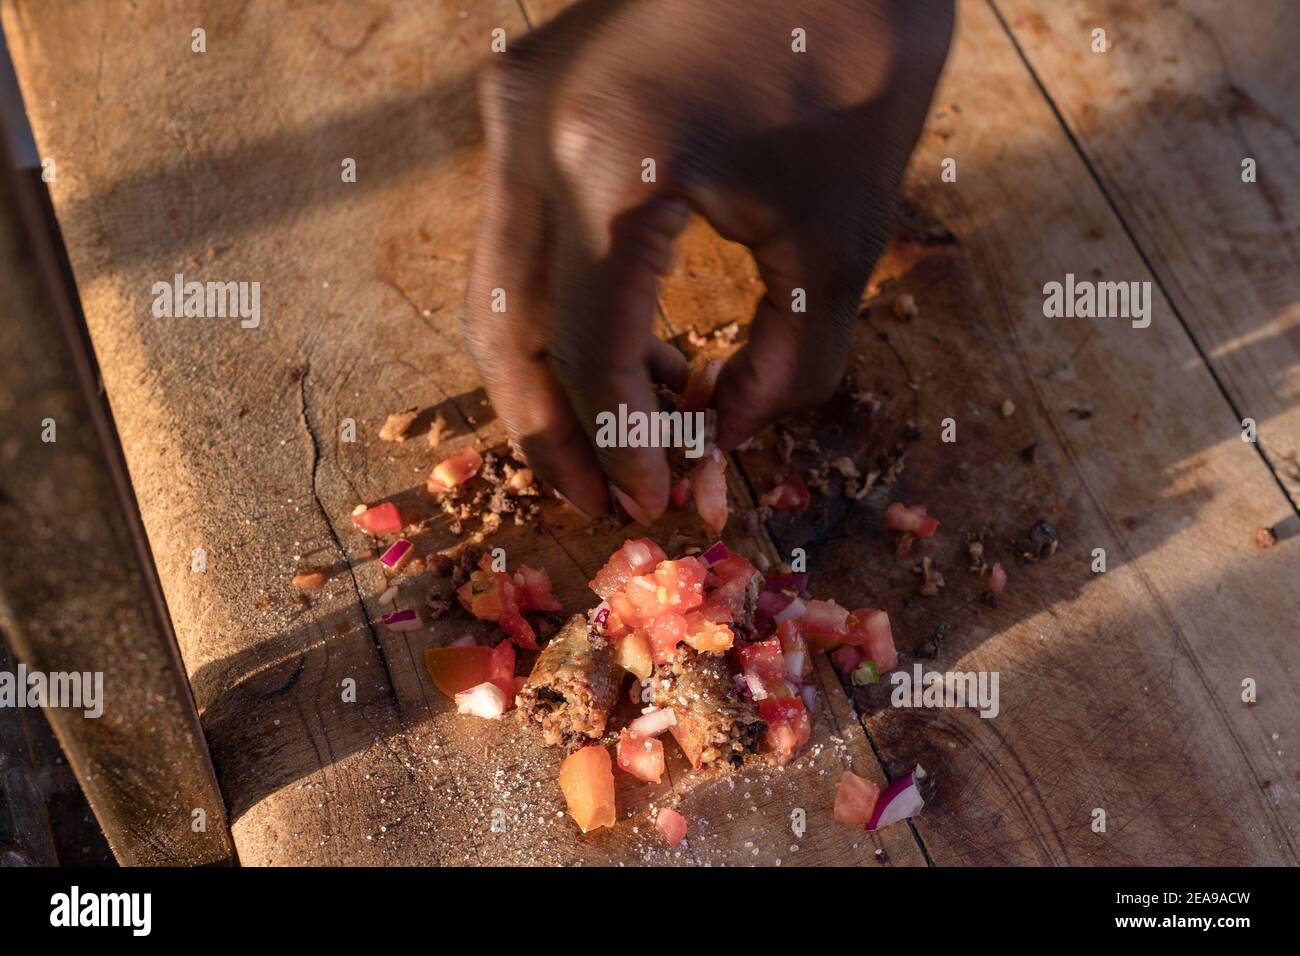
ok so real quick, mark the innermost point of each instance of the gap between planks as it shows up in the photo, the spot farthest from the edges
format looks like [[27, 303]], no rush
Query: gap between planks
[[1105, 191]]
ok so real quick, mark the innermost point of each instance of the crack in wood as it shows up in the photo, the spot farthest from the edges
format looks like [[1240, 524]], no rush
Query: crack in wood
[[338, 543]]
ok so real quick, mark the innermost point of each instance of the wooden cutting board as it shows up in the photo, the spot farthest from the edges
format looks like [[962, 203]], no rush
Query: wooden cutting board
[[1119, 691]]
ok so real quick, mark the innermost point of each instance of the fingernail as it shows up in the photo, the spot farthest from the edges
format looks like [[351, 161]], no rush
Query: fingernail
[[639, 514]]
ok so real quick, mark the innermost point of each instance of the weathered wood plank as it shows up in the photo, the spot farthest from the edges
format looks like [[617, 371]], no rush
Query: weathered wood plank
[[1118, 691], [74, 591], [233, 434], [1183, 96]]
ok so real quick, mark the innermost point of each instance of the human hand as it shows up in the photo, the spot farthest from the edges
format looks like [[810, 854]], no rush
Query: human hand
[[797, 155]]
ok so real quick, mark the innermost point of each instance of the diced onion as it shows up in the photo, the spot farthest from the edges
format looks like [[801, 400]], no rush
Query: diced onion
[[811, 701], [396, 554], [407, 620], [645, 582], [794, 661], [653, 723], [755, 687], [482, 700], [386, 599], [903, 799], [791, 611], [718, 552]]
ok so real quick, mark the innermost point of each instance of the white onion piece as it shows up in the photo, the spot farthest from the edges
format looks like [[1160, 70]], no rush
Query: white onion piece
[[794, 661], [903, 799], [482, 700], [811, 701], [653, 722], [755, 687], [791, 611], [638, 555], [387, 597], [465, 640]]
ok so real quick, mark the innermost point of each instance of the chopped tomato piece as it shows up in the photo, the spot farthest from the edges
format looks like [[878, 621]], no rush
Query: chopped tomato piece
[[709, 489], [671, 825], [667, 631], [587, 781], [926, 527], [481, 595], [824, 619], [717, 613], [642, 555], [847, 658], [493, 596], [789, 727], [622, 609], [680, 496], [910, 518], [699, 385], [682, 583], [455, 669], [536, 586], [707, 636], [731, 568], [869, 628], [798, 660], [998, 578], [501, 670], [516, 628], [646, 599], [634, 558], [789, 495], [380, 520], [454, 471], [642, 757], [855, 799], [633, 654], [764, 661]]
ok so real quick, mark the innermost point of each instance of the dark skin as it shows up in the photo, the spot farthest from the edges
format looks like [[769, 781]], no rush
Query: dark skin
[[796, 155]]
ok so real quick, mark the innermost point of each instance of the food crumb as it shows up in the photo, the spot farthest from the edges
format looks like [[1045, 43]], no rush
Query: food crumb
[[398, 424], [905, 306], [437, 430], [1008, 408], [310, 579], [1265, 538]]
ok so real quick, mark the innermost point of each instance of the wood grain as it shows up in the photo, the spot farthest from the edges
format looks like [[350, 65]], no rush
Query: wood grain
[[75, 595], [1120, 691], [176, 163], [1185, 93]]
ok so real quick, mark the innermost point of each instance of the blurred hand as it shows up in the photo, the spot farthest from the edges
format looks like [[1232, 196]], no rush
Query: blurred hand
[[797, 155]]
